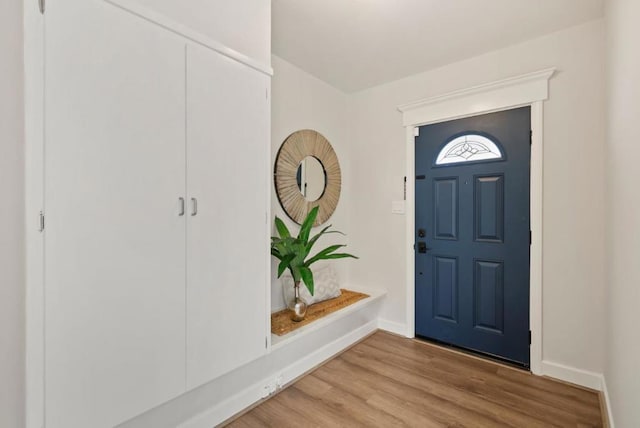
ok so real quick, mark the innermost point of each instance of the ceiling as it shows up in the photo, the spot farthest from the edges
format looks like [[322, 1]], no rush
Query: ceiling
[[357, 44]]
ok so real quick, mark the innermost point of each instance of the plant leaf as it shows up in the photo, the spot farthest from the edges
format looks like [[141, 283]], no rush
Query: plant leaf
[[315, 238], [322, 254], [284, 263], [328, 257], [341, 256], [307, 278], [318, 235], [305, 229], [295, 272], [333, 256], [283, 246], [282, 228]]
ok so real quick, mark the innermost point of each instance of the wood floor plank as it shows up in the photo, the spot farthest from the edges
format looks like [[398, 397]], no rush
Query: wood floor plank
[[389, 381], [417, 385], [557, 396], [249, 420], [275, 413], [370, 385], [410, 414], [314, 412], [451, 381]]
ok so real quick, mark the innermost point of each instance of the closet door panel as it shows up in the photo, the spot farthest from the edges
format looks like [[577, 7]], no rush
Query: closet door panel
[[227, 240], [115, 243]]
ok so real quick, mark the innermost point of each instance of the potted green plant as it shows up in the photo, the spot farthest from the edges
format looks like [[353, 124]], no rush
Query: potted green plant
[[293, 253]]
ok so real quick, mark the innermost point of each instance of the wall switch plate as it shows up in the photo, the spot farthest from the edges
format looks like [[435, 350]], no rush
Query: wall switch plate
[[397, 207]]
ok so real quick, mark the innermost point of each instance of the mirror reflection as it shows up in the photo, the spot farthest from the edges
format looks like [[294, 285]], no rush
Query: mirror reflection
[[311, 178]]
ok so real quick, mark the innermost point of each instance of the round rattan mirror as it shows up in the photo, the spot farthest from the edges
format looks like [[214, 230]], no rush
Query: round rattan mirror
[[307, 174]]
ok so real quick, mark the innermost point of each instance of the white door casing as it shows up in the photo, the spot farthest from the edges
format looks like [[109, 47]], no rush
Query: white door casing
[[529, 89]]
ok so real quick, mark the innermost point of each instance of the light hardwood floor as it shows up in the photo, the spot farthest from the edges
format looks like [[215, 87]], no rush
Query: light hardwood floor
[[389, 381]]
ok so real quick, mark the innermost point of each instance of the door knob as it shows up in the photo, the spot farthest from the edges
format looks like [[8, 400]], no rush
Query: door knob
[[422, 248]]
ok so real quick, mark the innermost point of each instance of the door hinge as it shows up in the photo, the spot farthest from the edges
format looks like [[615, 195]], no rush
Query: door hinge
[[530, 238], [529, 337], [41, 6], [41, 224], [531, 137], [404, 189]]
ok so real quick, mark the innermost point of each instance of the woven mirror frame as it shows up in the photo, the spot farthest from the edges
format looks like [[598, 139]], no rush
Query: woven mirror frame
[[293, 150]]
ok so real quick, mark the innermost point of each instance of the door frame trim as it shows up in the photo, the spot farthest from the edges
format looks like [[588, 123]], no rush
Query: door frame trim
[[530, 89]]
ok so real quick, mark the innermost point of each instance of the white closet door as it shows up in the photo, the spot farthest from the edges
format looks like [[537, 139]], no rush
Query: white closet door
[[115, 243], [227, 240]]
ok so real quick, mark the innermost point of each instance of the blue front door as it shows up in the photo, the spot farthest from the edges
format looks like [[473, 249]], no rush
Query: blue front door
[[472, 233]]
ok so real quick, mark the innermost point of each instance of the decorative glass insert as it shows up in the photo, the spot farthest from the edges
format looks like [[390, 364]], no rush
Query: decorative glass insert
[[468, 148]]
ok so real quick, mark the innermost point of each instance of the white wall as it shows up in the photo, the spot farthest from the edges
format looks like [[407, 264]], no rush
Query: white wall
[[11, 213], [623, 216], [244, 26], [301, 101], [573, 260]]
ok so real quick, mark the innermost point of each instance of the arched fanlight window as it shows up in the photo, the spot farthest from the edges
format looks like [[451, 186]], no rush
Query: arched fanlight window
[[468, 148]]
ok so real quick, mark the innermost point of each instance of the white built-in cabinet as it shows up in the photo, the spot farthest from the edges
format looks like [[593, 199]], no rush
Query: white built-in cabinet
[[227, 241], [156, 195]]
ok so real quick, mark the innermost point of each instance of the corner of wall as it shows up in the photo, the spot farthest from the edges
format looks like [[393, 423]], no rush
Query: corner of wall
[[623, 209], [605, 404]]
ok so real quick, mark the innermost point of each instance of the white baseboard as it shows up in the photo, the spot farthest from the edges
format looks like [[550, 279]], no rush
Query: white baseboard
[[607, 402], [255, 392], [573, 375], [392, 327]]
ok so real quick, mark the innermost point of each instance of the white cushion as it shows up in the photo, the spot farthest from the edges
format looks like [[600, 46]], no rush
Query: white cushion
[[325, 283]]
